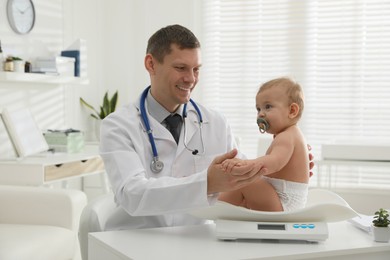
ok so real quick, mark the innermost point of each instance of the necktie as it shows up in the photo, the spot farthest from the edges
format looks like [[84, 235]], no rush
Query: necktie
[[174, 126]]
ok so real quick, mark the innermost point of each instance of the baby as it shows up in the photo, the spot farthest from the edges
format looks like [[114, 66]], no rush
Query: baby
[[285, 167]]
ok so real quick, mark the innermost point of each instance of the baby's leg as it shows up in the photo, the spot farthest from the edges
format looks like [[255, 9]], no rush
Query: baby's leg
[[233, 197], [261, 195]]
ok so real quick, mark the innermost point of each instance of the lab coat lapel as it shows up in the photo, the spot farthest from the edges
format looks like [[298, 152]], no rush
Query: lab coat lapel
[[192, 124], [158, 130], [192, 128]]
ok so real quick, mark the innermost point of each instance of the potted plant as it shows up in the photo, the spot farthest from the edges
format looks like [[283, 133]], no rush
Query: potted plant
[[18, 64], [108, 106], [381, 229]]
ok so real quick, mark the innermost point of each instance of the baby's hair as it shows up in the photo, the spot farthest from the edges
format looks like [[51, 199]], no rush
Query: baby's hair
[[293, 90]]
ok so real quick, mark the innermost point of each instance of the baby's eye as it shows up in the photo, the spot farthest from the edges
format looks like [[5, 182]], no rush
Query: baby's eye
[[268, 106]]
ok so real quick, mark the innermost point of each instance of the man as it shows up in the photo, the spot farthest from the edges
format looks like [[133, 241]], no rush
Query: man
[[155, 178]]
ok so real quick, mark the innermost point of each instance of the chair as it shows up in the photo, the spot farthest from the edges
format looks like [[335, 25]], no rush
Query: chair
[[39, 223], [94, 218]]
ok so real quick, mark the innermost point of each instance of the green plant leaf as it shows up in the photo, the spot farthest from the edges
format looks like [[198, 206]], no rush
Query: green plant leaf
[[381, 218], [108, 106], [113, 102], [94, 116], [103, 113], [82, 101]]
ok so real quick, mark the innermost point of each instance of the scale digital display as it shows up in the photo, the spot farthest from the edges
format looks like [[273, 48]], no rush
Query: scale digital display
[[235, 229], [271, 227]]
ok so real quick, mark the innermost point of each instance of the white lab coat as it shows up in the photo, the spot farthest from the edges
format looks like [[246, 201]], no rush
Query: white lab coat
[[146, 199]]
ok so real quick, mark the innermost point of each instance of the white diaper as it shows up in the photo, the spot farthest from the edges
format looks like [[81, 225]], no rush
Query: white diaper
[[293, 195]]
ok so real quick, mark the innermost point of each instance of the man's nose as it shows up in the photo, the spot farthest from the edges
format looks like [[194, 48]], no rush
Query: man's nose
[[190, 77]]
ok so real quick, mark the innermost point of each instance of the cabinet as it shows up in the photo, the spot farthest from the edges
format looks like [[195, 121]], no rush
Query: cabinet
[[45, 169], [39, 170]]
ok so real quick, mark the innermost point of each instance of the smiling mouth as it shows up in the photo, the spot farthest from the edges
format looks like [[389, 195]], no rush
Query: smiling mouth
[[184, 88]]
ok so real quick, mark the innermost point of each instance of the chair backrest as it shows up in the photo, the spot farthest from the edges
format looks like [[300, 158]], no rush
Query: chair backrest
[[93, 219]]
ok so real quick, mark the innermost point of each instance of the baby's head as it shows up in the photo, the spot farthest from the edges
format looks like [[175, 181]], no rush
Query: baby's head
[[282, 96], [293, 91]]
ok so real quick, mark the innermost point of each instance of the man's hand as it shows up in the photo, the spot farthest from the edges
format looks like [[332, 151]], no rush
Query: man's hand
[[218, 180]]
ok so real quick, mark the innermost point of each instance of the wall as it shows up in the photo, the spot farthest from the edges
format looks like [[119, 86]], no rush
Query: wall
[[116, 33], [46, 102], [128, 26]]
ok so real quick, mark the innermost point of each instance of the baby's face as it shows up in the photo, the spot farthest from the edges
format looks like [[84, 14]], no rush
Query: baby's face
[[272, 106]]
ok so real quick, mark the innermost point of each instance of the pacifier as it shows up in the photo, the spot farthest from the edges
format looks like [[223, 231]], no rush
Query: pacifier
[[263, 125]]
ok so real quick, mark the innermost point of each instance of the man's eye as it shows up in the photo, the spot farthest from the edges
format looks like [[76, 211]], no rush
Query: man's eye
[[179, 68]]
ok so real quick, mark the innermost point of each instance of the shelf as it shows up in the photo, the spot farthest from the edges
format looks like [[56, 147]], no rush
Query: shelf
[[9, 77]]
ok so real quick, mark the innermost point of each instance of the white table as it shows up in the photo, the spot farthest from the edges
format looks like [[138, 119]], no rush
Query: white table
[[345, 242]]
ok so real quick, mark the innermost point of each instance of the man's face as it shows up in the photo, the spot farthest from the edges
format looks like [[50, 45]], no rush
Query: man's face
[[175, 78]]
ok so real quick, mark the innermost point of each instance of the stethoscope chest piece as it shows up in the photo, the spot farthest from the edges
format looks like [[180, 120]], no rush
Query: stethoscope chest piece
[[156, 165]]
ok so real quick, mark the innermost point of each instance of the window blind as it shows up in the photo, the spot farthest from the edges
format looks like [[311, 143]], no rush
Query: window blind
[[339, 51]]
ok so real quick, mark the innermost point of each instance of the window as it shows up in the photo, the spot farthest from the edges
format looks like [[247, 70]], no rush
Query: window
[[338, 50]]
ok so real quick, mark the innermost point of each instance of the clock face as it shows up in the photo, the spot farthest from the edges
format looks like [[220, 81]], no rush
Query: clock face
[[21, 15]]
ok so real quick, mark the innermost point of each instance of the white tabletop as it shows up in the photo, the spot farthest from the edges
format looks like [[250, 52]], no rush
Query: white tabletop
[[48, 158], [199, 242]]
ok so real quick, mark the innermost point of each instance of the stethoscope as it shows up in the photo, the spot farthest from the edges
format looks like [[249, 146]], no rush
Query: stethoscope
[[156, 165]]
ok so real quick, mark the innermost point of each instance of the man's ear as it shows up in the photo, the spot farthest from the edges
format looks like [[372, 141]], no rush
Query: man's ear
[[294, 110], [149, 63]]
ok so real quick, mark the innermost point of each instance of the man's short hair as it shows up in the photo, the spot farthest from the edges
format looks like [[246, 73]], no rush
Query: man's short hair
[[160, 42]]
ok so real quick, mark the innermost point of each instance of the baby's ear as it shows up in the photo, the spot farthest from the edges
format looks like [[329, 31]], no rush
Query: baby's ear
[[294, 110]]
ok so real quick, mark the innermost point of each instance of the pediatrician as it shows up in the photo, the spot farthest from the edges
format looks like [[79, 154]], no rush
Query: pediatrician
[[155, 178]]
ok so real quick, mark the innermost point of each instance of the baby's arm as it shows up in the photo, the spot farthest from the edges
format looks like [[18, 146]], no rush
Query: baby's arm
[[228, 164], [279, 154]]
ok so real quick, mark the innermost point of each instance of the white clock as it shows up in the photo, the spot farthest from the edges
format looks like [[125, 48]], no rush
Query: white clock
[[21, 15]]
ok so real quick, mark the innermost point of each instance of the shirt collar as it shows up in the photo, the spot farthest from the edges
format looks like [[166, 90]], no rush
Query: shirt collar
[[157, 111]]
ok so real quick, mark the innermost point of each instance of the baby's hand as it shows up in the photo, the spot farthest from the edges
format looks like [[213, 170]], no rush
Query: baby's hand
[[228, 164]]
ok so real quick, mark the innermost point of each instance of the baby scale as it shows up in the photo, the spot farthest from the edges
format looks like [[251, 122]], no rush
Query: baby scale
[[306, 224]]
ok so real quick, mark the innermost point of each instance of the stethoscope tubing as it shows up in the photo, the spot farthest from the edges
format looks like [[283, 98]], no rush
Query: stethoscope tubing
[[157, 165], [146, 122]]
